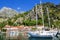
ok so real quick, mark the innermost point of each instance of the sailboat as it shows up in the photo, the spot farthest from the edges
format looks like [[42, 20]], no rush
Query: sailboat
[[43, 33]]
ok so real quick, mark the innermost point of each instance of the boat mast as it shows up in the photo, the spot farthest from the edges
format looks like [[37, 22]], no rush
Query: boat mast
[[36, 16], [41, 11], [48, 17]]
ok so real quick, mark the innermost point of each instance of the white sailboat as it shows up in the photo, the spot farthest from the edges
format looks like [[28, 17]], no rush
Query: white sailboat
[[43, 33]]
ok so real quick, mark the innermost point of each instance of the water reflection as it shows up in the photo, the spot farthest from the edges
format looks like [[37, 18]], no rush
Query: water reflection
[[3, 37], [54, 38], [40, 38]]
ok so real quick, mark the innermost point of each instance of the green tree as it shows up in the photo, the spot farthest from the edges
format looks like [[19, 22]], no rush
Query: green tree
[[2, 25]]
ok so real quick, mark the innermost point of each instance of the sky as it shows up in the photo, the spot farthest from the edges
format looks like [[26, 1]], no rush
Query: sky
[[23, 5]]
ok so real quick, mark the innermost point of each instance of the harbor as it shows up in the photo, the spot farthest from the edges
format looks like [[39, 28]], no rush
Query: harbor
[[24, 36], [29, 20]]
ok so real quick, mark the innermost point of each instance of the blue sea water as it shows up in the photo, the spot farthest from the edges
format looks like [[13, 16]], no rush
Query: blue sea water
[[43, 38], [36, 38], [32, 38]]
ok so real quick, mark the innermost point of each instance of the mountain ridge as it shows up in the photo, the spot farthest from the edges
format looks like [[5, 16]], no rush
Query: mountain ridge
[[7, 12]]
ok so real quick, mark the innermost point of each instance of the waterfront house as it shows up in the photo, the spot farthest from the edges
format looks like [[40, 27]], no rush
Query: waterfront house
[[14, 31], [11, 31]]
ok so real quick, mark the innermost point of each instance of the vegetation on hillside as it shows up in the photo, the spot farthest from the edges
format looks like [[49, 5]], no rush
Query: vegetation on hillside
[[54, 13]]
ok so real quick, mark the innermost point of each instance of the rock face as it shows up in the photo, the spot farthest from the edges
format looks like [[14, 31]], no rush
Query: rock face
[[6, 12], [52, 9], [32, 14], [19, 20]]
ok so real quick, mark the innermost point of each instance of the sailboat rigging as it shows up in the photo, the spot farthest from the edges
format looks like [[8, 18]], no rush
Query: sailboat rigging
[[42, 33]]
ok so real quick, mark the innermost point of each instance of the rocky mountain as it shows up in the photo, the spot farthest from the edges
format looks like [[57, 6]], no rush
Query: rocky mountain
[[6, 12], [29, 18], [51, 7], [54, 14]]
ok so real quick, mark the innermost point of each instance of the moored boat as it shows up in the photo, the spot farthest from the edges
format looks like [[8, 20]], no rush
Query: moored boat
[[43, 33]]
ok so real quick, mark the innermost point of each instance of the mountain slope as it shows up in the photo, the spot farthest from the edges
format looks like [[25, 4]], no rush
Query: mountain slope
[[54, 13], [7, 12]]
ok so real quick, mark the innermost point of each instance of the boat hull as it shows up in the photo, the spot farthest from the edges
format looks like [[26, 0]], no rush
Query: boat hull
[[41, 36]]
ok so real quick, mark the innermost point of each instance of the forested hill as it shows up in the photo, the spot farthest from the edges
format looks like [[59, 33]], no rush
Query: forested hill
[[54, 13], [29, 18], [53, 9]]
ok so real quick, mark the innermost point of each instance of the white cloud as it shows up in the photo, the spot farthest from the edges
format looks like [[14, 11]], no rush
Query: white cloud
[[18, 8]]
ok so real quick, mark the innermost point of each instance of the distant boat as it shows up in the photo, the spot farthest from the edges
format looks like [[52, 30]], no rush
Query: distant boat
[[46, 33]]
